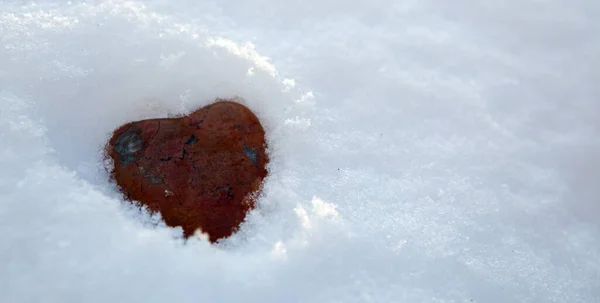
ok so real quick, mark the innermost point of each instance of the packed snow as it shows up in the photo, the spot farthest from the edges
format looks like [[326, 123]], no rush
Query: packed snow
[[421, 151]]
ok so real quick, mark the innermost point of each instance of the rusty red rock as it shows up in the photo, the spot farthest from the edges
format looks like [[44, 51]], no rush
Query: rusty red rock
[[200, 172]]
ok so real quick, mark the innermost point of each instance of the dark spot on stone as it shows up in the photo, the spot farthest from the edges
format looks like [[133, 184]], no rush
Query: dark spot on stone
[[229, 193], [128, 145], [155, 179], [251, 154]]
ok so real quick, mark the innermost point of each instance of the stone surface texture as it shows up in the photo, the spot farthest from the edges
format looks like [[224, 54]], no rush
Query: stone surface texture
[[201, 171]]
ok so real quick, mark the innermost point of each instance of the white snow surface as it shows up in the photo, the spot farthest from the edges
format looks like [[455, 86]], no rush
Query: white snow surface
[[421, 151]]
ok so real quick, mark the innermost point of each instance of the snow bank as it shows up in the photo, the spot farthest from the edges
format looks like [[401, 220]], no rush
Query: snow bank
[[438, 156]]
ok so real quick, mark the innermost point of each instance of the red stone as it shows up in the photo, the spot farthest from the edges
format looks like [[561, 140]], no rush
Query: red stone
[[200, 171]]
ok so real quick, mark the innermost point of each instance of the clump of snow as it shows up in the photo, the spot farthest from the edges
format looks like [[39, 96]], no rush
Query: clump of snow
[[422, 151]]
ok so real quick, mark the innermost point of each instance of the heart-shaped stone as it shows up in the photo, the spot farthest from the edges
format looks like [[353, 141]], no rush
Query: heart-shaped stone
[[200, 171]]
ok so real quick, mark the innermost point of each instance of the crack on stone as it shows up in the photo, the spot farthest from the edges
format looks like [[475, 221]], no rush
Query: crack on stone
[[183, 155], [192, 140], [156, 133], [196, 167], [167, 159]]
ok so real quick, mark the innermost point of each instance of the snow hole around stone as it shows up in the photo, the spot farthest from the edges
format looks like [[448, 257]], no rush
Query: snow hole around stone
[[125, 65]]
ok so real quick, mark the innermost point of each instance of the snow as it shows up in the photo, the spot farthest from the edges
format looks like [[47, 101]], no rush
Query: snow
[[422, 151]]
